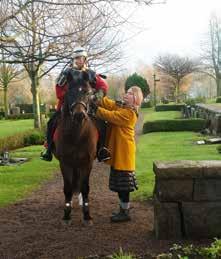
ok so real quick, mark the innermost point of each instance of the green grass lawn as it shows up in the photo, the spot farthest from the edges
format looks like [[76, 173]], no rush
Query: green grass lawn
[[17, 181], [166, 146], [151, 115], [11, 127]]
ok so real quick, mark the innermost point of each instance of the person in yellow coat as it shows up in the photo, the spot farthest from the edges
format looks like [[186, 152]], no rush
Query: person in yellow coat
[[120, 141]]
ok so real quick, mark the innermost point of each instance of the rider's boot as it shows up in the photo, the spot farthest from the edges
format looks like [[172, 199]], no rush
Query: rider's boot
[[103, 154], [46, 155]]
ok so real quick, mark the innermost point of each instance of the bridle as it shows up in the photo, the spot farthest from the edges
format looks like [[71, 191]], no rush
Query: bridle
[[85, 105], [81, 103]]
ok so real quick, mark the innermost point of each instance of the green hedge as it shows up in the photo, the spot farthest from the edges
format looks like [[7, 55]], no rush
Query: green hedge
[[35, 138], [148, 104], [20, 116], [218, 99], [169, 107], [22, 139], [2, 115], [174, 125]]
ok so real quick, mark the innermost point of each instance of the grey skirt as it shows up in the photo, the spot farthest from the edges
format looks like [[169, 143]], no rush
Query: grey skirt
[[122, 181]]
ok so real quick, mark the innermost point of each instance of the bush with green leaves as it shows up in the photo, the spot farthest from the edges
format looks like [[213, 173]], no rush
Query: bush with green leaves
[[192, 252], [20, 116], [219, 148], [37, 137], [218, 99], [169, 107], [121, 255], [21, 139], [174, 125], [147, 104], [137, 80], [194, 101]]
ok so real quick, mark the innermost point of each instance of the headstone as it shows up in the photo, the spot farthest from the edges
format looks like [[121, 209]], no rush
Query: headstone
[[15, 110]]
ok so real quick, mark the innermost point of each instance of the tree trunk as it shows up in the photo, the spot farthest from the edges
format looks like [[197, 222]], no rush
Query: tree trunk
[[177, 93], [218, 86], [36, 104], [6, 108]]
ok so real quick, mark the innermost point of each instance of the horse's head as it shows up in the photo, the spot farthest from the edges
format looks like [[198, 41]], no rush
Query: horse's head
[[78, 97]]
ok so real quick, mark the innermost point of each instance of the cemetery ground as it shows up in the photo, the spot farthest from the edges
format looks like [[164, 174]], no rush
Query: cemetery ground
[[31, 201]]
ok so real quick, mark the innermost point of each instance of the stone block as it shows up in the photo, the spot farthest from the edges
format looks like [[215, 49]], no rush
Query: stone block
[[167, 221], [218, 124], [207, 190], [177, 169], [201, 219], [174, 189], [211, 168]]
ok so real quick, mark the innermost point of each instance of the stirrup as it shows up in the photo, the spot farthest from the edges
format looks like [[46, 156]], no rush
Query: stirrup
[[46, 155], [103, 154]]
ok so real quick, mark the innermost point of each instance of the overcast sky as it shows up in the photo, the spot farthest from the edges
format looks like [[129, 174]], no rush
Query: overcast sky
[[175, 27]]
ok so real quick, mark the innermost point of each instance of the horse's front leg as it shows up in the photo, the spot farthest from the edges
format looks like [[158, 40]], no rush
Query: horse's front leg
[[85, 195], [67, 173]]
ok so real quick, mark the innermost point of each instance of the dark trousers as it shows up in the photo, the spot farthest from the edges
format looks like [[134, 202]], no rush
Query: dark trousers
[[51, 127], [102, 128], [124, 196]]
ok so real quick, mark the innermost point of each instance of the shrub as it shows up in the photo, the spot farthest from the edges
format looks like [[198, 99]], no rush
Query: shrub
[[169, 107], [174, 125], [122, 255], [192, 252], [20, 116], [194, 101], [35, 138], [2, 115], [148, 104], [218, 99], [219, 148], [18, 140]]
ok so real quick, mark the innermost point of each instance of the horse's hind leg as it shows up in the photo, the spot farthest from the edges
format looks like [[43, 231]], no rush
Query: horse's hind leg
[[68, 192]]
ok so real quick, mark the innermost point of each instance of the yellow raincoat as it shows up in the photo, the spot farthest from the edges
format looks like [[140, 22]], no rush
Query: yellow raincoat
[[120, 134]]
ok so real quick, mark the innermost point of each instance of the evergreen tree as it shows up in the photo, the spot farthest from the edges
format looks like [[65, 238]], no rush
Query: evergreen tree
[[138, 80]]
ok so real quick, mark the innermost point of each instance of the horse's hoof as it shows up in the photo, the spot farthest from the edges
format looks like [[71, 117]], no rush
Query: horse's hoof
[[67, 212], [88, 223], [65, 218], [66, 222]]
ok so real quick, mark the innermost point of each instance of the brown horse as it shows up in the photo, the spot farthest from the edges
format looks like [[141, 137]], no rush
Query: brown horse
[[76, 145]]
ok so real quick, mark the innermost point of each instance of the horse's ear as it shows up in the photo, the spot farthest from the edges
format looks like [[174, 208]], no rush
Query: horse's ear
[[85, 76]]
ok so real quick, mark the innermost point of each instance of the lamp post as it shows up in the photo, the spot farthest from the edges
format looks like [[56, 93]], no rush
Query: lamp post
[[154, 89]]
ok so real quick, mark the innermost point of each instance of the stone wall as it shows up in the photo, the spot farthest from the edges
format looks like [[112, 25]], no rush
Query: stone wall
[[210, 112], [187, 199]]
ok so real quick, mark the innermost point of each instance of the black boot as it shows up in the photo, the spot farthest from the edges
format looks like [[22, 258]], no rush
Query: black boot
[[46, 155], [121, 216], [103, 154]]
